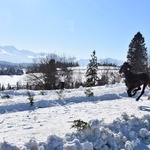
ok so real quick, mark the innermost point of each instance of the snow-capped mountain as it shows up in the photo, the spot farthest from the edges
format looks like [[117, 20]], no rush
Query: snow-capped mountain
[[13, 55]]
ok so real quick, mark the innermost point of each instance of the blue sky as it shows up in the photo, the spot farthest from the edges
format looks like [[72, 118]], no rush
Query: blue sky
[[74, 27]]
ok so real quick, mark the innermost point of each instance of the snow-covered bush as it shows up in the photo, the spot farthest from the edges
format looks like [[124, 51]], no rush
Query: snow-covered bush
[[42, 92], [88, 92], [60, 94], [4, 96], [30, 98], [80, 125]]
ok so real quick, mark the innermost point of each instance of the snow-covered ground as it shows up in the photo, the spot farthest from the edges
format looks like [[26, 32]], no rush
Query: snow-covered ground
[[116, 121], [12, 80]]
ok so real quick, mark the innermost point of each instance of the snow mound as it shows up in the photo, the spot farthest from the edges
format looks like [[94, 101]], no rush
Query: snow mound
[[124, 133]]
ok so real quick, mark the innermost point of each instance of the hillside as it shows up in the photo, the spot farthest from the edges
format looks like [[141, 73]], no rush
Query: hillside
[[116, 120]]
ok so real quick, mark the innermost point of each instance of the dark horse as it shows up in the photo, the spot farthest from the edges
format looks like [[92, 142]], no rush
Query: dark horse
[[134, 81]]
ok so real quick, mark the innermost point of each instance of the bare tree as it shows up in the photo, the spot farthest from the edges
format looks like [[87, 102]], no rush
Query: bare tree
[[42, 74]]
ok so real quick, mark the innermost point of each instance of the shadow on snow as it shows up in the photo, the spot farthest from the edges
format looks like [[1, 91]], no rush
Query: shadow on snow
[[62, 102], [52, 103], [144, 108]]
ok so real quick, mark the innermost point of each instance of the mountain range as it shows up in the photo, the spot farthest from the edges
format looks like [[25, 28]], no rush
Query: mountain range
[[13, 55]]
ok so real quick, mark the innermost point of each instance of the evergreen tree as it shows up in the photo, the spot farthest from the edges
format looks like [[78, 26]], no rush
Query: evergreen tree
[[8, 86], [137, 54], [3, 88], [91, 73], [17, 86]]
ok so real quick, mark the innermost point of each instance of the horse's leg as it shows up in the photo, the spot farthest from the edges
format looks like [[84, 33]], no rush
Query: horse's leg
[[130, 90], [144, 86], [137, 89]]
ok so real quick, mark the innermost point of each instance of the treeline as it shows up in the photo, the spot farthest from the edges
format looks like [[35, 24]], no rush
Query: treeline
[[60, 62], [44, 74], [18, 86], [11, 71], [107, 64]]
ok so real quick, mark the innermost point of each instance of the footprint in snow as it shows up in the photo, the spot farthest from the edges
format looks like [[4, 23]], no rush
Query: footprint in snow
[[27, 127]]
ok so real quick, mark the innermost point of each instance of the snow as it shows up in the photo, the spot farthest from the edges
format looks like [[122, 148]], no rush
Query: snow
[[12, 80], [117, 122], [4, 52]]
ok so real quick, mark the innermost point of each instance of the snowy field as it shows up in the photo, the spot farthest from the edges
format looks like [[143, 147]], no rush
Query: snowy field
[[116, 121], [12, 80]]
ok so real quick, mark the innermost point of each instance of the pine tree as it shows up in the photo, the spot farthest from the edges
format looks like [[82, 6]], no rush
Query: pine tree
[[137, 54], [91, 73], [8, 86], [3, 88]]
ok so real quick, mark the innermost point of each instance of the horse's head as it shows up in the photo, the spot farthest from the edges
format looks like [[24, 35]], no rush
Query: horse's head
[[125, 67]]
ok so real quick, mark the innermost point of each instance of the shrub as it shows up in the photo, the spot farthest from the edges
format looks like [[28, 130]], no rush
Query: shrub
[[30, 97], [60, 94], [5, 96], [80, 125], [88, 92], [42, 93]]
